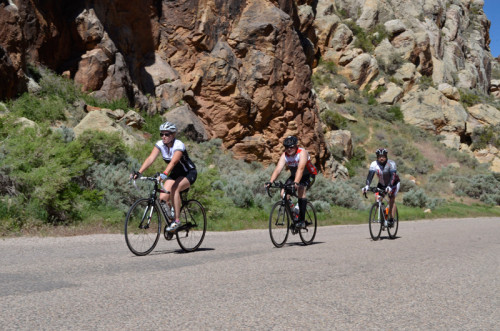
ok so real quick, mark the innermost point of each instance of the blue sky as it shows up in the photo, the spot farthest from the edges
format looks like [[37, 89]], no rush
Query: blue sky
[[492, 10]]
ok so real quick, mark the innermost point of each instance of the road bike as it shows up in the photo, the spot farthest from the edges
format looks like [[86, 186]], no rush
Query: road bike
[[283, 218], [378, 220], [143, 221]]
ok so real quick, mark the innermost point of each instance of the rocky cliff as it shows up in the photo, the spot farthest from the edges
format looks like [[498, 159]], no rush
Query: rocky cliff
[[244, 68]]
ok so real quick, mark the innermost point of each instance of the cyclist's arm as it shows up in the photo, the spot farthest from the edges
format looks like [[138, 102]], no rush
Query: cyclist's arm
[[279, 168], [175, 159], [150, 159], [369, 178], [302, 164]]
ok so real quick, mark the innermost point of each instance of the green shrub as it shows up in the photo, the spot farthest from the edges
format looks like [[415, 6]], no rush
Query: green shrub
[[337, 193], [392, 64], [469, 98], [333, 120], [41, 110], [425, 82], [396, 113], [482, 136], [484, 187], [418, 198], [105, 147], [44, 167]]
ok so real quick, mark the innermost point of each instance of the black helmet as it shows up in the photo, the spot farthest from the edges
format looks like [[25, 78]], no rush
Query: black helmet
[[290, 141], [381, 151]]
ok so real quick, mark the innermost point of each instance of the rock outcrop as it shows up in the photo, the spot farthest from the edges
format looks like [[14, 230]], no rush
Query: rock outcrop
[[241, 70]]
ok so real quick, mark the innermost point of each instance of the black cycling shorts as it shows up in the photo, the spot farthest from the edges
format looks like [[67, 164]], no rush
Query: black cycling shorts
[[191, 175], [307, 180]]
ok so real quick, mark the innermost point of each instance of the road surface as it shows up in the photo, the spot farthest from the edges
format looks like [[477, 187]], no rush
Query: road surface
[[437, 275]]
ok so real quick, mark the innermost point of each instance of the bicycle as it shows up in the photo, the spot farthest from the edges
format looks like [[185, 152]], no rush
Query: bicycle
[[143, 222], [281, 214], [379, 218]]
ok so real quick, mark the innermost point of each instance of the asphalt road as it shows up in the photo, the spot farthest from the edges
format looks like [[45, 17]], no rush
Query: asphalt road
[[437, 275]]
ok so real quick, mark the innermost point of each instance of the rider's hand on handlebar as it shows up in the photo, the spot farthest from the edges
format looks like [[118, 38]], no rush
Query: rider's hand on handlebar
[[388, 189], [135, 175], [365, 189], [267, 184]]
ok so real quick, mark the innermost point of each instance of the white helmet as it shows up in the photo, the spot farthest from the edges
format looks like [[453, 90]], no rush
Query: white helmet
[[168, 126]]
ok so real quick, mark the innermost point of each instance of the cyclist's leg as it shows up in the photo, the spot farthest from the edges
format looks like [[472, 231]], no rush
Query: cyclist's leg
[[301, 193], [167, 185], [182, 183], [392, 200]]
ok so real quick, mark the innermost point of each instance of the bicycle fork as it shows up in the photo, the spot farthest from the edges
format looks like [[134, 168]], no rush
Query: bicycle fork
[[144, 216]]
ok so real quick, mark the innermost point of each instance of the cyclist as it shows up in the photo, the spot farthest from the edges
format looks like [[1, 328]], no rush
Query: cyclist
[[388, 179], [302, 172], [180, 172]]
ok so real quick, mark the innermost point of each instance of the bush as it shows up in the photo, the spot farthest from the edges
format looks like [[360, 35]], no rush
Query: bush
[[393, 63], [107, 148], [333, 120], [418, 198], [335, 193], [45, 168], [482, 136], [484, 187], [469, 98]]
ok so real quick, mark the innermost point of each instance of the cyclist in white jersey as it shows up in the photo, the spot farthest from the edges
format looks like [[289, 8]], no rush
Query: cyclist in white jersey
[[180, 172], [302, 172], [388, 179]]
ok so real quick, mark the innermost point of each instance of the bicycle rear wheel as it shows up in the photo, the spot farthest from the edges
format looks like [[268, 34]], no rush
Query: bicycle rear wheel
[[308, 233], [375, 222], [279, 222], [394, 229], [193, 226], [142, 227]]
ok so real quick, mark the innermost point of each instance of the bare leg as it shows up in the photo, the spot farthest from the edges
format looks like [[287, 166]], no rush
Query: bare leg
[[180, 185], [392, 206]]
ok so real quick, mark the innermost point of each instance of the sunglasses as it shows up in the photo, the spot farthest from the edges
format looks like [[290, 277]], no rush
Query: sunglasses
[[168, 134]]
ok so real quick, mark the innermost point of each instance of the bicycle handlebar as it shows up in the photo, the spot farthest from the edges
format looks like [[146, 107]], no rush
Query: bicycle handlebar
[[154, 178], [289, 188], [375, 190]]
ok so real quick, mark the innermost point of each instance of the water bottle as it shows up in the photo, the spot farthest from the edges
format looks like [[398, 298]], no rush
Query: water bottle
[[296, 212], [164, 207]]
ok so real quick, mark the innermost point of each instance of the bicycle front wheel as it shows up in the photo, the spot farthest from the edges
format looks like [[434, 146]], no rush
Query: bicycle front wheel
[[193, 226], [142, 227], [308, 233], [392, 230], [278, 224], [375, 221]]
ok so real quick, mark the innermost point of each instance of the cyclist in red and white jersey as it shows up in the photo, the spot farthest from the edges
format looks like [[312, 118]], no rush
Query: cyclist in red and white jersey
[[388, 179], [302, 172]]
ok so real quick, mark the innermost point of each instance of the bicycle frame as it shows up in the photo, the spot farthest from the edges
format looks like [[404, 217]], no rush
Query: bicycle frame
[[288, 192], [153, 197]]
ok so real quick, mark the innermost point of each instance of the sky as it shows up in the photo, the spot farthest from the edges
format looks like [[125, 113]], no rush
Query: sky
[[492, 10]]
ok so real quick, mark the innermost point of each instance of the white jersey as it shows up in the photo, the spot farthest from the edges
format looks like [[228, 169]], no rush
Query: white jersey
[[185, 164]]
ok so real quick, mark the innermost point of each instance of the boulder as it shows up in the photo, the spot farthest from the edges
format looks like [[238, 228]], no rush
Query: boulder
[[340, 140], [451, 92], [394, 27], [99, 120], [485, 114], [361, 70], [187, 123], [432, 111], [392, 95]]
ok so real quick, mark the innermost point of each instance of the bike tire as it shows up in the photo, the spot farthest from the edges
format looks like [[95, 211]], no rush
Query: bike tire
[[375, 222], [193, 226], [279, 224], [308, 233], [394, 229], [141, 239]]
